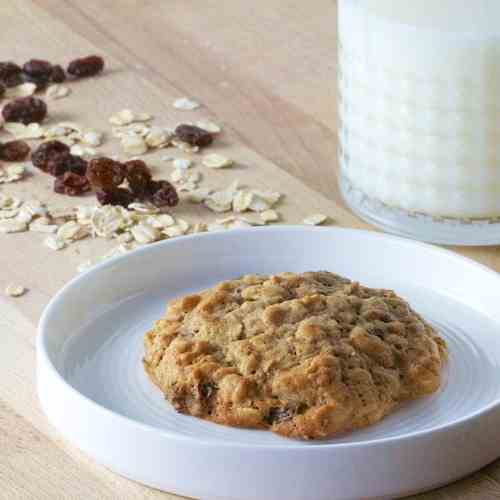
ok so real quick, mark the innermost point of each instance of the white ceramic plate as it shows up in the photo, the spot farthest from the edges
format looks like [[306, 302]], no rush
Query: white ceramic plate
[[93, 389]]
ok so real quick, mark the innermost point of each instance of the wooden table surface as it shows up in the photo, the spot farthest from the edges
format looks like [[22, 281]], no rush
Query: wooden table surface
[[264, 69]]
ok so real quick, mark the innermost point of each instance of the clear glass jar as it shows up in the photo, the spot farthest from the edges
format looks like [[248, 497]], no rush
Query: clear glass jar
[[419, 117]]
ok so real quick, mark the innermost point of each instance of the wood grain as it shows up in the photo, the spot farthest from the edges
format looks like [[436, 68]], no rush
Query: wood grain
[[266, 70]]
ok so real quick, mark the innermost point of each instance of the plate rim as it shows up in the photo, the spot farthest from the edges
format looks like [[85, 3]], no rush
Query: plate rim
[[291, 444]]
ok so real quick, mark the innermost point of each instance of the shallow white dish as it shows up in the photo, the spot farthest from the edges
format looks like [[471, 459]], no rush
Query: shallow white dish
[[92, 386]]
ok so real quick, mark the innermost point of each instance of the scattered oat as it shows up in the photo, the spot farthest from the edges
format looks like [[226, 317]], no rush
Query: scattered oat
[[215, 160], [271, 197], [71, 126], [145, 208], [186, 104], [57, 91], [315, 219], [13, 290], [269, 216], [20, 131], [10, 202], [141, 129], [24, 216], [56, 131], [11, 173], [23, 90], [127, 116], [35, 207], [184, 146], [133, 145], [38, 227], [54, 243], [92, 137], [12, 226], [211, 127], [71, 231], [199, 195], [8, 213], [164, 220], [144, 233], [258, 204], [62, 212], [108, 220], [174, 231], [242, 201], [182, 163], [158, 137], [199, 227], [220, 201], [84, 151]]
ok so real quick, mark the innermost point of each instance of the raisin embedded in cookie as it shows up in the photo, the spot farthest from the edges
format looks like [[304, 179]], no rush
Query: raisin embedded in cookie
[[306, 355]]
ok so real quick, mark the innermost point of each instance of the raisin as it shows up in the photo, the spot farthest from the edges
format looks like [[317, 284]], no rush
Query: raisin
[[115, 196], [48, 155], [10, 74], [195, 136], [277, 415], [65, 162], [38, 68], [86, 66], [76, 164], [14, 151], [162, 193], [71, 184], [57, 75], [25, 110], [138, 177], [105, 173], [41, 82], [2, 90]]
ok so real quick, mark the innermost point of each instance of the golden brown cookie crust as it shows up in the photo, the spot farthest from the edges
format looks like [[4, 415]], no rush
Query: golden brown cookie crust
[[306, 355]]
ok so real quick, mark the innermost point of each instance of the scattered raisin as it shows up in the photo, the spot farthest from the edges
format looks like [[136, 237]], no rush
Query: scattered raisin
[[115, 196], [49, 154], [61, 163], [86, 66], [162, 193], [277, 415], [38, 68], [41, 82], [105, 173], [76, 164], [71, 184], [58, 75], [138, 177], [57, 164], [10, 74], [25, 110], [195, 136], [14, 151]]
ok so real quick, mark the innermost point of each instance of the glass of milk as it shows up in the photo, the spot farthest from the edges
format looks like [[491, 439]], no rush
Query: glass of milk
[[419, 116]]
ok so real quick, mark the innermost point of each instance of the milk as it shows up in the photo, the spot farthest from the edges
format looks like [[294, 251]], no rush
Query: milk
[[419, 104]]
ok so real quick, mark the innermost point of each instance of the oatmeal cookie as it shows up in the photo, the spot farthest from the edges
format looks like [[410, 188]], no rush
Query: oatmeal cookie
[[305, 355]]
